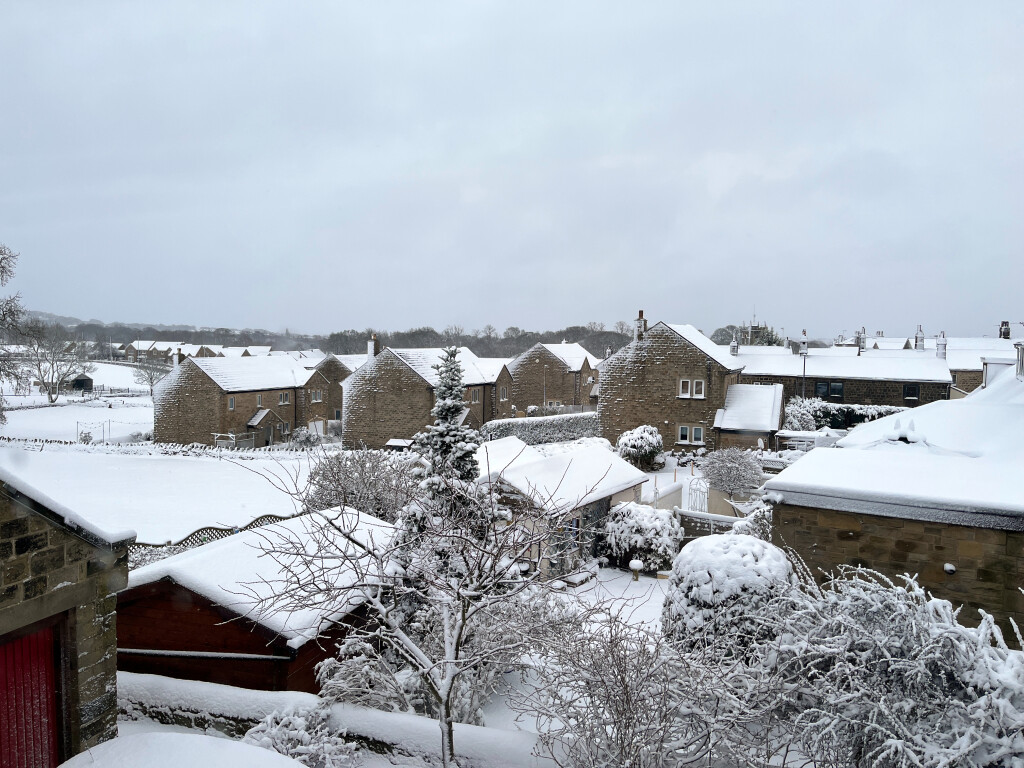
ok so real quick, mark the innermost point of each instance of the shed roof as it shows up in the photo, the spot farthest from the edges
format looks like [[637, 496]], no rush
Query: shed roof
[[237, 571], [751, 407]]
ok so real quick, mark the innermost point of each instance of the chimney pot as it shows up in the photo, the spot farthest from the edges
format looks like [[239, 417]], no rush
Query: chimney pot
[[940, 346]]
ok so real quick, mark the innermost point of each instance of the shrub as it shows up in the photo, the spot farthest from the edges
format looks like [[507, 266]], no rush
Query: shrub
[[641, 447], [304, 438], [809, 414], [636, 531], [731, 470]]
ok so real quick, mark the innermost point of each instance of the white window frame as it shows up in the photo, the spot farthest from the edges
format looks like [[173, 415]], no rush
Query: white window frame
[[680, 438], [698, 384], [694, 440], [503, 394], [259, 401], [231, 403], [474, 395], [284, 398], [316, 396], [681, 393]]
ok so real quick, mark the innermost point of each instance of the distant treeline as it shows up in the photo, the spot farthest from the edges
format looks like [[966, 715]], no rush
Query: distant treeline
[[486, 342]]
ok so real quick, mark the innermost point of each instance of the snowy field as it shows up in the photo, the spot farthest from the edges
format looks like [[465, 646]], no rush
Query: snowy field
[[161, 498], [109, 419]]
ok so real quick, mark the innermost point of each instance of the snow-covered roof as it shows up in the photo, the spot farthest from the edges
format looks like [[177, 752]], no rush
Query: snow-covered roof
[[955, 460], [756, 349], [257, 417], [172, 750], [572, 354], [162, 498], [423, 360], [352, 362], [253, 373], [76, 517], [258, 350], [751, 407], [705, 345], [837, 363], [496, 456], [570, 480], [232, 351], [229, 570], [491, 366]]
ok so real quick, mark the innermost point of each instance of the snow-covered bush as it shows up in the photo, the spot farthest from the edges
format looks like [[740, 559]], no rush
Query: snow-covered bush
[[731, 470], [306, 737], [85, 437], [891, 678], [638, 531], [376, 482], [809, 414], [719, 585], [641, 447], [543, 429], [305, 439], [758, 521]]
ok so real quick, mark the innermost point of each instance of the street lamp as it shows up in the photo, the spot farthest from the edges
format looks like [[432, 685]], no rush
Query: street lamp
[[545, 389]]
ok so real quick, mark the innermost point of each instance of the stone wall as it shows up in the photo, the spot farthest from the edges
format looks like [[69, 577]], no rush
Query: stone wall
[[989, 563], [47, 572], [640, 385], [385, 399], [188, 409], [856, 391], [744, 440], [968, 381]]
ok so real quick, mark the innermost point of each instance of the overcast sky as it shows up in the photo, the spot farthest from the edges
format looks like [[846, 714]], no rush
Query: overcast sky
[[321, 166]]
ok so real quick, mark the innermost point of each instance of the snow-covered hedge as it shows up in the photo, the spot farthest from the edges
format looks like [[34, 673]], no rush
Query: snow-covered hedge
[[543, 429], [636, 531], [809, 414], [641, 447]]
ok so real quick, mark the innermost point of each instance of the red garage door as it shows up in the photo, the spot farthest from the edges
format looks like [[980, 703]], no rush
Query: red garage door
[[28, 701]]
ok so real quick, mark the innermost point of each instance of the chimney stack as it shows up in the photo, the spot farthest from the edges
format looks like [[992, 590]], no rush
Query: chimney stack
[[372, 348], [641, 327], [919, 338], [803, 342], [607, 352], [940, 346], [1004, 329], [176, 358], [1019, 347], [734, 347]]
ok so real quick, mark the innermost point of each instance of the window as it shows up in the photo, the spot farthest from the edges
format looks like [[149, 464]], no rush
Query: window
[[337, 414], [953, 375], [316, 395], [259, 401], [821, 390], [504, 393], [835, 389], [684, 388], [684, 434], [698, 387], [698, 435], [911, 391], [231, 403], [287, 427], [475, 396], [283, 398]]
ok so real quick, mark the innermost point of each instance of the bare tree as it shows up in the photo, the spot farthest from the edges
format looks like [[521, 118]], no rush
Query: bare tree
[[148, 372], [460, 588], [623, 327], [376, 482], [54, 356], [10, 313]]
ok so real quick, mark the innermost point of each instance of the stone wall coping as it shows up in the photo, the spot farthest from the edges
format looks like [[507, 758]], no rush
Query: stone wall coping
[[1004, 520], [23, 494]]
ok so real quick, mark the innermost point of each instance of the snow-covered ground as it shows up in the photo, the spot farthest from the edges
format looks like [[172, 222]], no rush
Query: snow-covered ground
[[161, 498], [110, 419], [637, 601], [169, 749]]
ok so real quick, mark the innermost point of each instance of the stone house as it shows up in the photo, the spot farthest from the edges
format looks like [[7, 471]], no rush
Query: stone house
[[59, 576], [669, 376], [935, 495], [198, 615], [252, 402], [391, 396], [553, 375], [848, 375]]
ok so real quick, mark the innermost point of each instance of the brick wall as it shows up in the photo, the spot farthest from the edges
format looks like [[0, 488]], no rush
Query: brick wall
[[855, 391], [533, 382], [640, 385], [989, 563], [45, 572], [385, 399]]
